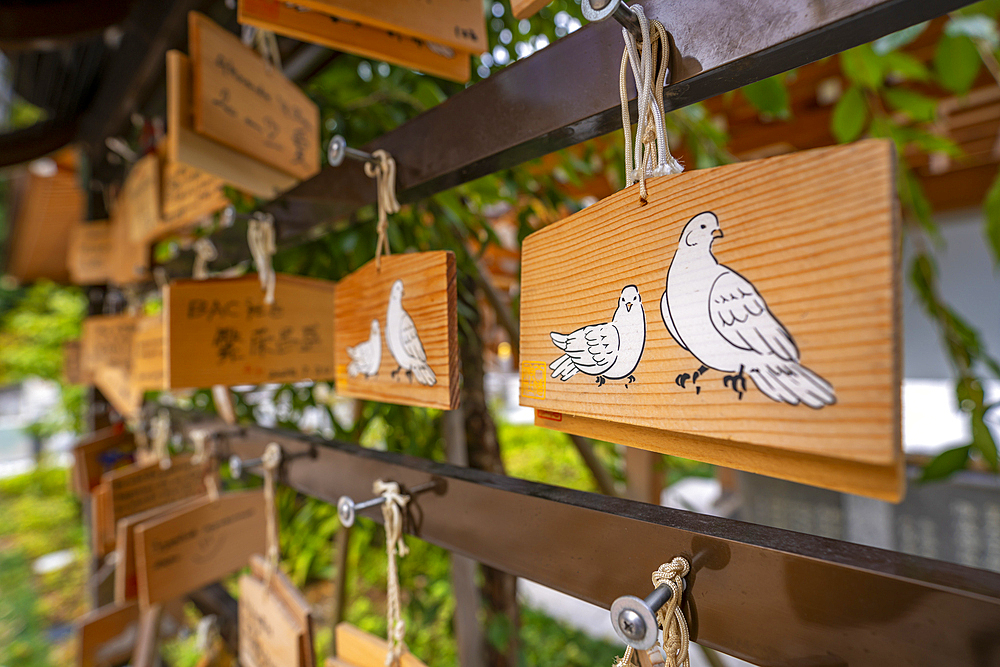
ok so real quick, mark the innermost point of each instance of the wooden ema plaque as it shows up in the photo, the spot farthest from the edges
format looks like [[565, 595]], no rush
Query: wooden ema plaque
[[186, 147], [116, 384], [102, 531], [192, 547], [247, 104], [147, 368], [106, 635], [357, 648], [101, 452], [523, 9], [397, 334], [219, 331], [350, 37], [90, 253], [189, 195], [145, 486], [269, 635], [293, 602], [141, 198], [129, 257], [106, 340], [746, 308]]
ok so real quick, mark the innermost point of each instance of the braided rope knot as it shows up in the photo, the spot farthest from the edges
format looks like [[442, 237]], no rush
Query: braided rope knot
[[260, 238], [670, 618], [392, 515], [271, 459], [384, 173]]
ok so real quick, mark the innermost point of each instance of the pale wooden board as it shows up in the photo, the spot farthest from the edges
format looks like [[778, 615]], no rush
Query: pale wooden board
[[72, 371], [357, 648], [247, 104], [185, 146], [885, 482], [102, 538], [293, 600], [523, 9], [115, 382], [48, 207], [269, 634], [189, 195], [105, 636], [142, 487], [354, 38], [141, 198], [219, 331], [126, 582], [102, 452], [187, 549], [429, 297], [815, 233], [147, 369], [459, 24], [90, 253], [129, 257], [106, 340]]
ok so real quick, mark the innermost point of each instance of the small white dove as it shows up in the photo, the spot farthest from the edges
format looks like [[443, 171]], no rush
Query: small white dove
[[609, 351], [718, 316], [404, 342], [366, 357]]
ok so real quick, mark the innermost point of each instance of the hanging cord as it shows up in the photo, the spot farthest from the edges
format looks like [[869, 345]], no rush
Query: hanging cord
[[204, 252], [205, 455], [265, 43], [133, 300], [392, 514], [669, 617], [260, 237], [271, 460], [384, 173], [650, 127], [159, 433]]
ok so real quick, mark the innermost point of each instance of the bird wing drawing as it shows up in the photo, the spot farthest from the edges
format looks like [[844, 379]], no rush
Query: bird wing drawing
[[668, 320], [739, 313], [415, 349], [593, 350], [366, 357]]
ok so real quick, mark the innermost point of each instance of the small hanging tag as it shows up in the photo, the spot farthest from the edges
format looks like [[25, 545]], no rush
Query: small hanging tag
[[357, 648], [99, 453], [260, 237], [145, 486]]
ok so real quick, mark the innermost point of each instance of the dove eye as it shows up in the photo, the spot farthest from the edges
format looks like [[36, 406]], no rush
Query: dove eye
[[703, 226]]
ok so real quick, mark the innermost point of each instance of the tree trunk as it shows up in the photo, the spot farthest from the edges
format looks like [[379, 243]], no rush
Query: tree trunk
[[499, 588]]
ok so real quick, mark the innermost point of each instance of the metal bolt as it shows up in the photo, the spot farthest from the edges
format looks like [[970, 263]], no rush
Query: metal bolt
[[338, 150], [631, 624], [634, 619], [598, 10], [347, 509], [238, 465]]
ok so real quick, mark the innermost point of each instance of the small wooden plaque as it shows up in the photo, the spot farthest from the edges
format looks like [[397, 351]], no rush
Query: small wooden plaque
[[269, 635], [294, 602], [116, 384], [102, 532], [90, 252], [397, 334], [781, 276], [194, 546], [72, 371], [523, 9], [145, 486], [106, 635], [106, 340], [99, 453], [245, 103], [219, 331], [189, 195], [357, 648], [147, 367], [350, 37], [129, 257], [141, 198]]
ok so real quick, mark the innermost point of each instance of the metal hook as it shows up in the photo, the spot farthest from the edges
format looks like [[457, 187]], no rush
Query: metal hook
[[347, 509], [238, 466], [598, 10], [634, 619], [338, 150]]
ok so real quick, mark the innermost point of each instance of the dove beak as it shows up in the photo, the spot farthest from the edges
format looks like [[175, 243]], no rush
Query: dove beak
[[628, 307], [717, 234]]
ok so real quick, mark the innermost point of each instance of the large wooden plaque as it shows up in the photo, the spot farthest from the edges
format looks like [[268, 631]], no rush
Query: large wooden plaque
[[351, 37], [197, 545], [90, 253], [397, 332], [247, 104], [219, 331], [752, 307]]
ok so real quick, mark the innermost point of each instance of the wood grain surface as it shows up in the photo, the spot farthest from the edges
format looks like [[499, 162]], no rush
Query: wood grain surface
[[294, 601], [242, 101], [219, 331], [90, 252], [526, 8], [189, 195], [145, 486], [269, 634], [357, 648], [815, 236], [429, 298], [106, 340], [141, 197], [106, 635], [130, 258], [362, 40], [147, 368]]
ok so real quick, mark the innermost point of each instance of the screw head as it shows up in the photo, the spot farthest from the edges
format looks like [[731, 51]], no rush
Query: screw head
[[345, 510], [336, 151], [634, 622], [597, 10], [631, 624]]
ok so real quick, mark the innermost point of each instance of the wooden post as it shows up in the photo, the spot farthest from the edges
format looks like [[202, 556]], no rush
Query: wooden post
[[643, 479]]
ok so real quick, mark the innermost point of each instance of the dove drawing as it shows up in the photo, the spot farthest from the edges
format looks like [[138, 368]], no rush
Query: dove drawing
[[404, 342], [366, 357], [719, 317], [609, 351]]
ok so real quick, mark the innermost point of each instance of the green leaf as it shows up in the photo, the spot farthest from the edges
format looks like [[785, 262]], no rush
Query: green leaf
[[918, 107], [906, 67], [956, 63], [850, 116], [863, 67], [983, 441], [769, 96], [897, 40], [946, 463], [991, 219], [976, 27]]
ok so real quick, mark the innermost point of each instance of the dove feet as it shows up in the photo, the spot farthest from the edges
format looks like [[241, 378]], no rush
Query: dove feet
[[681, 380], [600, 380], [631, 379], [396, 372], [737, 382]]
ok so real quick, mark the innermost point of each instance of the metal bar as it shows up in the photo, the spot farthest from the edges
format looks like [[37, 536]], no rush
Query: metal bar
[[568, 93], [769, 596]]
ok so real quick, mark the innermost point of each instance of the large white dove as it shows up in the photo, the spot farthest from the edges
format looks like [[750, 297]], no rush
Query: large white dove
[[404, 342], [366, 357], [719, 316], [609, 351]]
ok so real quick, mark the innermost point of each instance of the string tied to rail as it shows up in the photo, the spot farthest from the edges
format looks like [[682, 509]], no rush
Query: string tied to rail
[[383, 170], [650, 64], [159, 434], [270, 461], [204, 252], [670, 619], [392, 515], [260, 237]]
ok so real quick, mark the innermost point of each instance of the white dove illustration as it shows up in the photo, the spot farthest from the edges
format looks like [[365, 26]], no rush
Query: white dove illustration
[[609, 351], [404, 342], [366, 357], [719, 316]]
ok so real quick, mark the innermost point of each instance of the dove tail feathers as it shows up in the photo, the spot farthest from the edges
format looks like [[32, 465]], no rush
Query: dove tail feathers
[[424, 374], [563, 367], [559, 340], [792, 383]]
